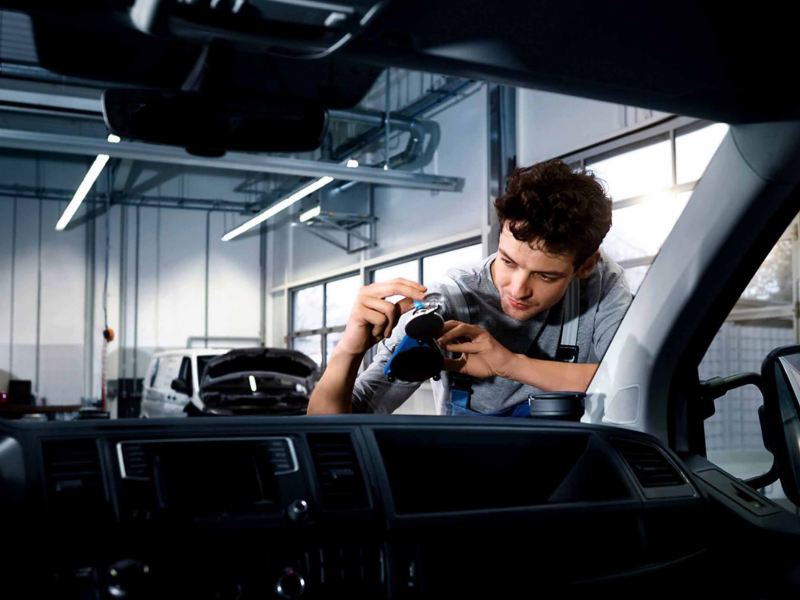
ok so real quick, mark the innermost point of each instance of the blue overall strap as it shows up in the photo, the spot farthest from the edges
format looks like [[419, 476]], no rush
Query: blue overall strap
[[570, 319], [458, 309], [460, 397]]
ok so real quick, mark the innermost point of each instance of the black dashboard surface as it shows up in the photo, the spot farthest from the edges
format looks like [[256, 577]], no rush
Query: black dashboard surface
[[350, 506]]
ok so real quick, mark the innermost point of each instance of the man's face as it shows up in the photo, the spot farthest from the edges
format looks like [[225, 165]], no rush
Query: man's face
[[528, 278]]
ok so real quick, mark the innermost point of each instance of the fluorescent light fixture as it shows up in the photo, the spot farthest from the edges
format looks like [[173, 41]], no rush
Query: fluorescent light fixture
[[252, 383], [113, 139], [309, 214], [83, 189], [278, 207], [352, 163]]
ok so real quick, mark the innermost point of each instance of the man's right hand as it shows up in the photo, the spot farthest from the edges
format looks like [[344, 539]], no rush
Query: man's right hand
[[373, 317]]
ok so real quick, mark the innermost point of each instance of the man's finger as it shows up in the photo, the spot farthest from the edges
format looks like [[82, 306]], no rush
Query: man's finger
[[464, 347], [461, 330], [387, 309], [404, 305], [455, 364], [410, 283], [449, 325], [376, 319], [395, 288]]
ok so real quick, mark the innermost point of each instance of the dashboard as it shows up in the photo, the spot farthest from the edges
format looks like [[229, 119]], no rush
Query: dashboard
[[351, 507]]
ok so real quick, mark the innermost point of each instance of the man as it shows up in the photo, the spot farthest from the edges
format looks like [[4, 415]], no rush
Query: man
[[512, 343]]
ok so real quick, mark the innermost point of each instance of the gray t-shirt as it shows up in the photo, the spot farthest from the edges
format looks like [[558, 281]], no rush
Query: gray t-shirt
[[604, 298]]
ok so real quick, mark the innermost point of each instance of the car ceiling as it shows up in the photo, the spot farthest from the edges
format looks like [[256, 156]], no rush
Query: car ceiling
[[702, 59]]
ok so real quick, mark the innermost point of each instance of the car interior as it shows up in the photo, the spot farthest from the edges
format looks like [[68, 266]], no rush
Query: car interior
[[629, 501]]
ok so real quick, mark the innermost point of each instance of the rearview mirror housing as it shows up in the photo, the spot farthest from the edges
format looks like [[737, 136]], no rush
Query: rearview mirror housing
[[208, 125]]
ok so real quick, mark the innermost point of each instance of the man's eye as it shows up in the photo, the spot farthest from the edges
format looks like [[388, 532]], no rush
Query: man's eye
[[506, 261], [547, 278]]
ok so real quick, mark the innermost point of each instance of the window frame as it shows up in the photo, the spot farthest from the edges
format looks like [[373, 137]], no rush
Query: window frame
[[367, 277], [321, 331], [671, 129]]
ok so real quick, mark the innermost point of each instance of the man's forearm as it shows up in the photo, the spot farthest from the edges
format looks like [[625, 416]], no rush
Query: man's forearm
[[551, 375], [333, 393]]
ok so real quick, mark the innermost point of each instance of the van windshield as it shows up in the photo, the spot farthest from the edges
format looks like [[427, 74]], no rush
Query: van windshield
[[202, 361]]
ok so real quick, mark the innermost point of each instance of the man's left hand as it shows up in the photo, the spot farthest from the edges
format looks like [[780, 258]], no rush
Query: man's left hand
[[481, 355]]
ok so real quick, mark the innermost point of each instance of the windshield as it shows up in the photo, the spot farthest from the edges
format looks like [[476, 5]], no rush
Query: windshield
[[202, 361], [161, 256]]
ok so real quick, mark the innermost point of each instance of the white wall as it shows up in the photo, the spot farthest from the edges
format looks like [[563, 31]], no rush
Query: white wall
[[61, 321], [45, 342], [174, 252], [6, 261], [43, 335]]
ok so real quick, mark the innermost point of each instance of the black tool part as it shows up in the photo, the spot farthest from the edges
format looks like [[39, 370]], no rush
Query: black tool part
[[418, 364], [427, 324], [564, 406]]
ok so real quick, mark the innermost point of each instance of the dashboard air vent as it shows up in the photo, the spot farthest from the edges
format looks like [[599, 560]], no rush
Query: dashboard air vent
[[650, 466], [73, 476], [134, 462], [340, 480]]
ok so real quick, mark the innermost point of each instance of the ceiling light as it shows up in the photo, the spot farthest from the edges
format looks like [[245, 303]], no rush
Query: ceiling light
[[114, 139], [83, 189], [352, 163], [278, 207], [310, 214], [252, 383]]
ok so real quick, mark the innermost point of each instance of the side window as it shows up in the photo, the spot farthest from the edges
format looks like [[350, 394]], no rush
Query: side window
[[650, 184], [764, 318], [319, 314], [154, 372], [168, 369], [435, 267], [185, 373]]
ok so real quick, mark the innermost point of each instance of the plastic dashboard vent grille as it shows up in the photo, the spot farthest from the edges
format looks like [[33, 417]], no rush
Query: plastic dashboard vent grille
[[73, 475], [650, 466], [340, 480], [135, 460]]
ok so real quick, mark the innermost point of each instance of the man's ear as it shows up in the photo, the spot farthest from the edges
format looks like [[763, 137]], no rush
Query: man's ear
[[588, 265]]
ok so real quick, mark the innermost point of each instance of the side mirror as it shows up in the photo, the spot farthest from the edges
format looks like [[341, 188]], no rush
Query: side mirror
[[780, 374], [179, 385]]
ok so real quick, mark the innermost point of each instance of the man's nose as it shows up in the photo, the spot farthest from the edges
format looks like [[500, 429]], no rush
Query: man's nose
[[519, 286]]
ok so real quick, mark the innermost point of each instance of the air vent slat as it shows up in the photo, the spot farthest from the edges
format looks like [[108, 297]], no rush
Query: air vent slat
[[73, 476], [649, 465], [136, 461], [340, 479]]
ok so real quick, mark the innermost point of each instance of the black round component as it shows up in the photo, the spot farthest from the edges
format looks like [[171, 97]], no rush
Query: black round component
[[565, 406], [418, 363], [297, 510], [425, 325], [290, 585], [126, 578]]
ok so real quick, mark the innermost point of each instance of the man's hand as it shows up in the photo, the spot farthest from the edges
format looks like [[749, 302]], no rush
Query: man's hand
[[373, 317], [481, 355]]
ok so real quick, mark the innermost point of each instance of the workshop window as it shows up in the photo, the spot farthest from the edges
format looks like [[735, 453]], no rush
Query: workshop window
[[650, 181], [430, 267], [319, 315]]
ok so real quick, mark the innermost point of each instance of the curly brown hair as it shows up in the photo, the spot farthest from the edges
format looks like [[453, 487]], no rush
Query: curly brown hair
[[567, 212]]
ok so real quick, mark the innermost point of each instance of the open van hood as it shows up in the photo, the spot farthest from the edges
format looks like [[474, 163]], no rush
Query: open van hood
[[258, 381]]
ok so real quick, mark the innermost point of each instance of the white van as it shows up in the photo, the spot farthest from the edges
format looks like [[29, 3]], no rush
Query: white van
[[172, 382]]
